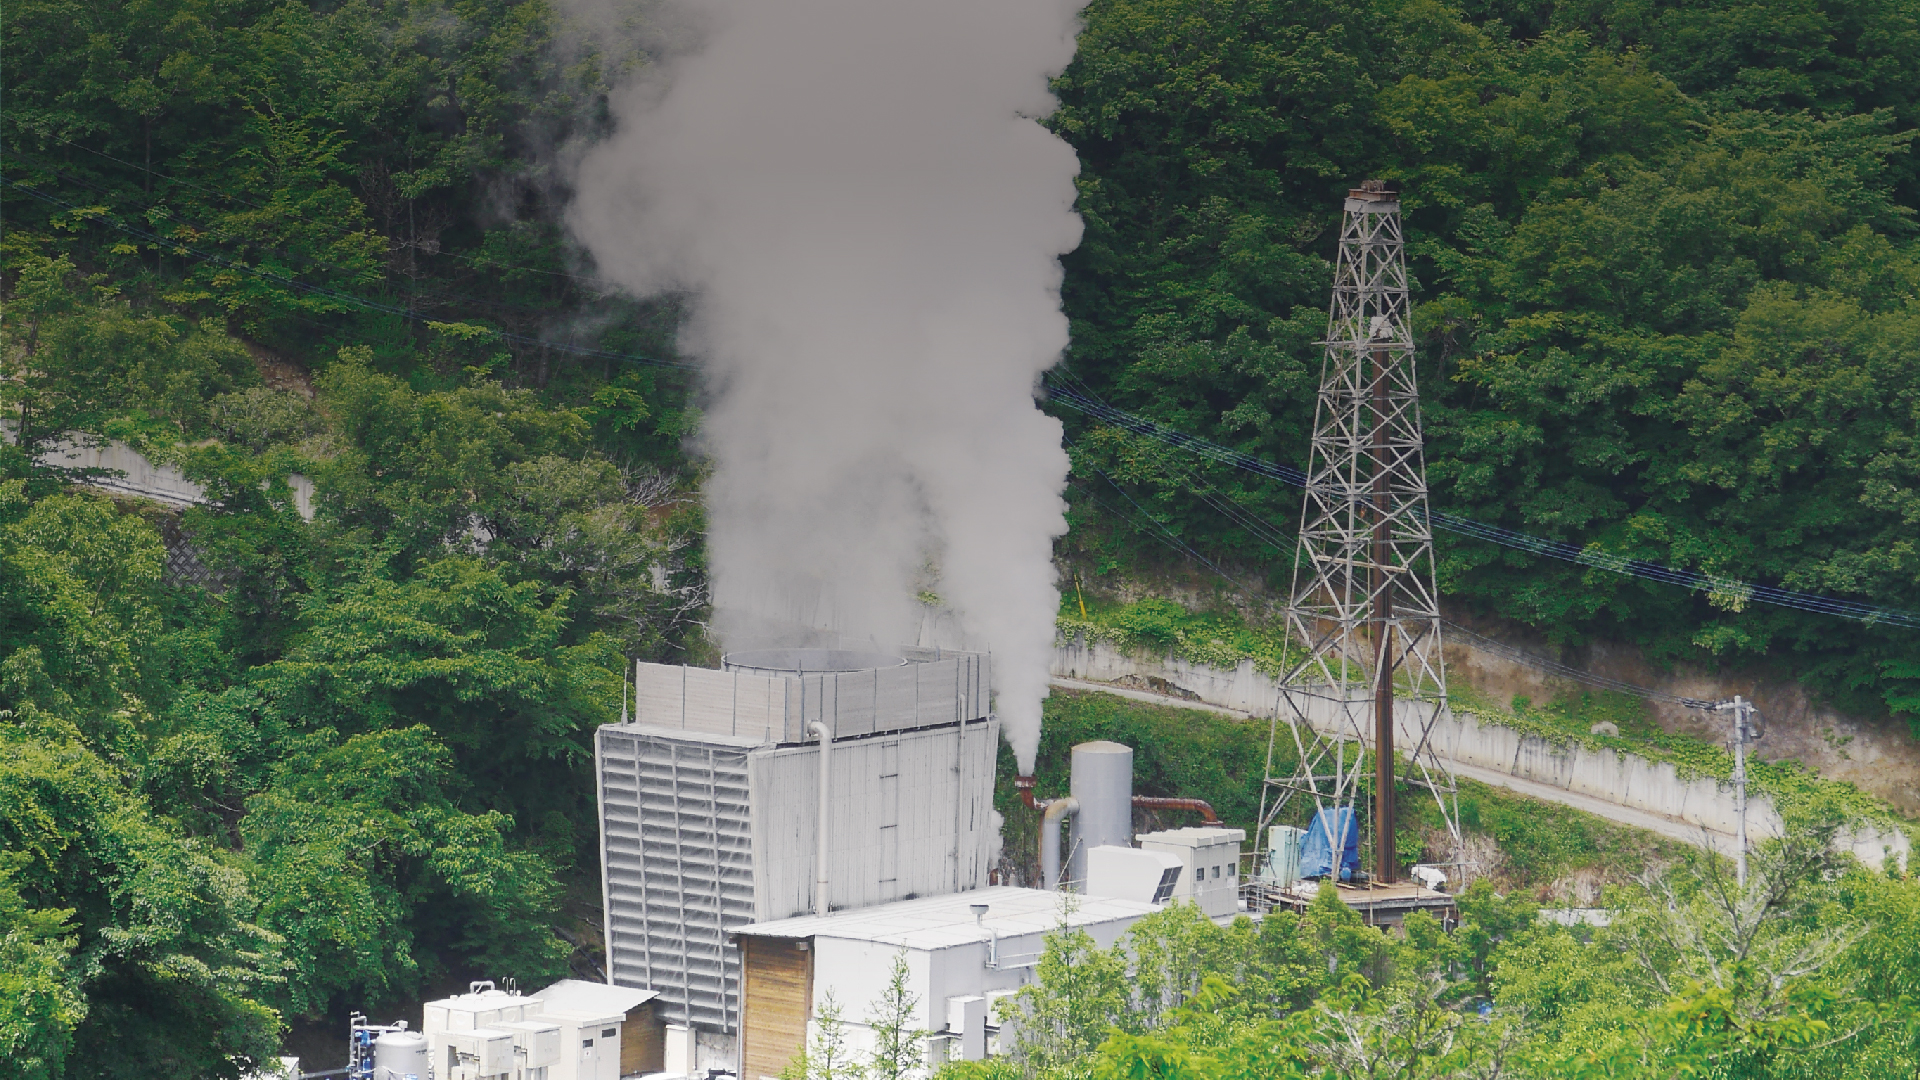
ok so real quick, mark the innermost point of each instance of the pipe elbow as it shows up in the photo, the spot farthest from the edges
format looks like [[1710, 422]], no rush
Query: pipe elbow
[[1050, 838], [819, 730], [1201, 806]]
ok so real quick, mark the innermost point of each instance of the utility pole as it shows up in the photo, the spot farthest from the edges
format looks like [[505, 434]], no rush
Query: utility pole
[[1363, 611], [1744, 732]]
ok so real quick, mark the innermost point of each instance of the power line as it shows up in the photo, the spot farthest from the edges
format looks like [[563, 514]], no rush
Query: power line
[[342, 298], [1739, 591], [1568, 671], [1499, 648]]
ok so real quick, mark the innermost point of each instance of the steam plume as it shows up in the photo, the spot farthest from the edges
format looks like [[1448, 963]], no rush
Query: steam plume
[[867, 220]]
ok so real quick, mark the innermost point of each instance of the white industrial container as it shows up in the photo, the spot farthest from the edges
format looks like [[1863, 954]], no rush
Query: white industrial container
[[709, 804], [536, 1044], [1127, 873], [589, 1045], [1283, 855], [588, 1010], [468, 1037], [484, 1053], [1210, 855]]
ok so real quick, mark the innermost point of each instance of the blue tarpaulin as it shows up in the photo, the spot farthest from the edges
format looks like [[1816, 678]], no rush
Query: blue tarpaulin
[[1316, 855]]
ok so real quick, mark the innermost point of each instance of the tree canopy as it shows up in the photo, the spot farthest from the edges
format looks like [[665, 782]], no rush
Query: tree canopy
[[256, 767]]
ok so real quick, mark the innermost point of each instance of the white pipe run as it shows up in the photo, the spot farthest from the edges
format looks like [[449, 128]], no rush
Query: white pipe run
[[825, 735], [1050, 838]]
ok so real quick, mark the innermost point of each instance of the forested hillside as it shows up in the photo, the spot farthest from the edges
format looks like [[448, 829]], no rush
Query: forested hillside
[[257, 769], [1665, 282]]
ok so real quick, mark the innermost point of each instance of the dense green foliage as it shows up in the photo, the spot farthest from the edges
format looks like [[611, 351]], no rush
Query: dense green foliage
[[1807, 973], [255, 768], [1665, 274]]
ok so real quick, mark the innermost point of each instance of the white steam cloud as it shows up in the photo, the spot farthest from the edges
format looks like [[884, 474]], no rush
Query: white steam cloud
[[867, 218]]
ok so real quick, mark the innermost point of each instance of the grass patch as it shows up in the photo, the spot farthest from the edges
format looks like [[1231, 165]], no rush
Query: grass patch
[[1219, 640], [1222, 759], [1161, 626]]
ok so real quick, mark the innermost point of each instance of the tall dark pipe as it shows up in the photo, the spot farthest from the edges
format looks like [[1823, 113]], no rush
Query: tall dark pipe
[[1385, 858]]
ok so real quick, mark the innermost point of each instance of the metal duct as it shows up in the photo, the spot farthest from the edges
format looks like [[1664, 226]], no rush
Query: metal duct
[[821, 905], [1200, 806], [1103, 787], [1050, 839]]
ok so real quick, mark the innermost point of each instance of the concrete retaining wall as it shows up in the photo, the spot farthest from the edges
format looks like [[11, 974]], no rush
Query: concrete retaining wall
[[1625, 779], [132, 474]]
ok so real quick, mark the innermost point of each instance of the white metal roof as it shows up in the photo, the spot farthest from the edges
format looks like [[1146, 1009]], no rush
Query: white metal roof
[[941, 922], [1195, 835], [580, 996], [484, 1001]]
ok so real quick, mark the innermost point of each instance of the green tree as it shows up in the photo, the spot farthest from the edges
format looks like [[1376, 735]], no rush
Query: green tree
[[899, 1048], [826, 1055], [1080, 991]]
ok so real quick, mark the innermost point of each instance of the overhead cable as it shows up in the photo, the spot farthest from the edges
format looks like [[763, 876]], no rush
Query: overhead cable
[[1480, 641], [1568, 671], [1734, 590]]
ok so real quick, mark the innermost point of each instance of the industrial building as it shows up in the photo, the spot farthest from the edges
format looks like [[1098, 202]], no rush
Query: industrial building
[[572, 1030], [711, 804], [963, 952]]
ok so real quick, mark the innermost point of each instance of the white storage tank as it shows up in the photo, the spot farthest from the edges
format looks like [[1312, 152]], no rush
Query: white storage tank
[[1103, 786], [400, 1055]]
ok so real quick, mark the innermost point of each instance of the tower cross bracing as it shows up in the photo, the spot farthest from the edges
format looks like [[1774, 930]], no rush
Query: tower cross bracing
[[1363, 611]]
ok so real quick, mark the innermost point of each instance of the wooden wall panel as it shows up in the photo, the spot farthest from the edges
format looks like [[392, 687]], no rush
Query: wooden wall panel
[[643, 1041], [776, 990]]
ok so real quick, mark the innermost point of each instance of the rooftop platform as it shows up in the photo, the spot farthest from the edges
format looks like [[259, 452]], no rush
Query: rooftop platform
[[1379, 904], [940, 922]]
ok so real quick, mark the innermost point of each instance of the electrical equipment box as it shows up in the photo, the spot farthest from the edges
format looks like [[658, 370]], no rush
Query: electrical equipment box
[[1126, 873], [537, 1042], [480, 1054], [1210, 855], [1283, 855]]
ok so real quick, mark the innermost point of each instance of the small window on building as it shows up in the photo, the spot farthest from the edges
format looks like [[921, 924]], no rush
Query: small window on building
[[584, 1043], [608, 1033]]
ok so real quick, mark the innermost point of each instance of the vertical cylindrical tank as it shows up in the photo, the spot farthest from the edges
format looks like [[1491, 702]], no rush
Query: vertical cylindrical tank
[[398, 1055], [1103, 786]]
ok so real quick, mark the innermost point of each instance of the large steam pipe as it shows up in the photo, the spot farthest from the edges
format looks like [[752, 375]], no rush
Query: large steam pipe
[[1050, 838], [1205, 808], [1023, 787], [825, 735]]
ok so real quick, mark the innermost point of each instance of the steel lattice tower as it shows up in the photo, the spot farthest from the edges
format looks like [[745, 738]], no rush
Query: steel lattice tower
[[1363, 611]]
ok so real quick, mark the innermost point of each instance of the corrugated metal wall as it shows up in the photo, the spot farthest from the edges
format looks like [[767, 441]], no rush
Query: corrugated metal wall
[[677, 867], [707, 821], [778, 710], [912, 817]]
